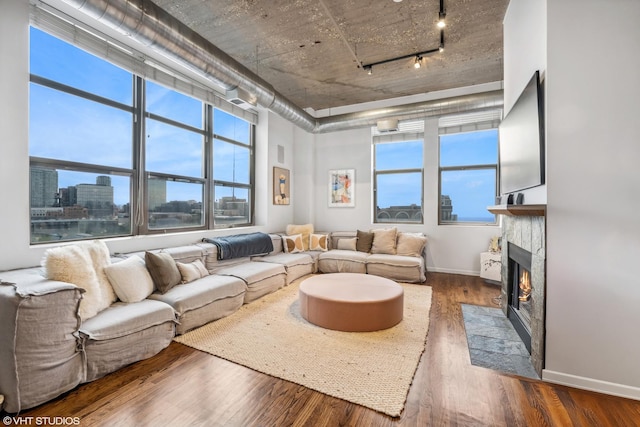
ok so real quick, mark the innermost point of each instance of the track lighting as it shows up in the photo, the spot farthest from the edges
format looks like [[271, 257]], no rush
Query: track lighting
[[418, 55], [441, 15]]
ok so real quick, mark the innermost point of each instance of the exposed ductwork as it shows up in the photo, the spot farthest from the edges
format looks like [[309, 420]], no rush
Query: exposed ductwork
[[151, 26]]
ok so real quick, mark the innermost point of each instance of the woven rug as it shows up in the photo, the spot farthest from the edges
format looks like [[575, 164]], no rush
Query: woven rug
[[372, 369]]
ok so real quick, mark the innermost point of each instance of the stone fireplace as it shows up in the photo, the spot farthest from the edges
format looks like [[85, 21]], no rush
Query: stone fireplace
[[524, 275]]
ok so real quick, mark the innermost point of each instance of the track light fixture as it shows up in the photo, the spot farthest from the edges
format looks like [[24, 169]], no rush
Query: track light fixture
[[441, 15], [418, 55]]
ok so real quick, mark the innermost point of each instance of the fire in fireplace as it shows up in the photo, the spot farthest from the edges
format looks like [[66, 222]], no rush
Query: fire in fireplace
[[519, 309]]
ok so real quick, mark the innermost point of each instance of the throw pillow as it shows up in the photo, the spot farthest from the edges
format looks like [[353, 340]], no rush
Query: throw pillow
[[99, 253], [305, 230], [365, 239], [319, 242], [347, 244], [411, 244], [192, 271], [130, 279], [292, 244], [72, 264], [163, 270], [384, 241]]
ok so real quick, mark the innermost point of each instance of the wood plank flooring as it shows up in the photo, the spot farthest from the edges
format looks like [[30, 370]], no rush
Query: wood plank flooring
[[185, 387]]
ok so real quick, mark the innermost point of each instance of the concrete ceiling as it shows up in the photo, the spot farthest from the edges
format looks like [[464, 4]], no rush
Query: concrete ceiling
[[310, 50]]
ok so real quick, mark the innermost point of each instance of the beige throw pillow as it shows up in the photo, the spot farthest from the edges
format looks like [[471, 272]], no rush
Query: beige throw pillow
[[410, 244], [99, 253], [347, 244], [384, 241], [130, 279], [305, 230], [292, 244], [192, 271]]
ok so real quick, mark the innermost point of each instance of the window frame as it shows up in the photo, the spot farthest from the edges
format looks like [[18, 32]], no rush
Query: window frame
[[441, 169], [137, 173], [398, 138]]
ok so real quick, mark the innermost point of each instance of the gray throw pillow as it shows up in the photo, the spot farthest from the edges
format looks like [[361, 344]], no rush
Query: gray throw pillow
[[163, 270], [365, 239]]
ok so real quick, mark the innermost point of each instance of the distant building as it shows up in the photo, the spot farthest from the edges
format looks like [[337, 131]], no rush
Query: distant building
[[409, 213], [157, 193], [43, 187], [97, 198], [446, 209]]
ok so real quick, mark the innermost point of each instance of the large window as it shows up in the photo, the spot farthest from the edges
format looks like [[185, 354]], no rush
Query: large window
[[97, 170], [468, 176], [398, 175]]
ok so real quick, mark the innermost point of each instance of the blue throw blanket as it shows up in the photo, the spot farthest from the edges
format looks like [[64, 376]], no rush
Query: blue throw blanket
[[242, 245]]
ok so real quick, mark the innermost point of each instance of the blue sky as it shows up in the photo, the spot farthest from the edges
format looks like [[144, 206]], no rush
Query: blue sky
[[102, 135]]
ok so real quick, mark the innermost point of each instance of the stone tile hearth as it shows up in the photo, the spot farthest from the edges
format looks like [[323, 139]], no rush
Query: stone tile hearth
[[528, 233]]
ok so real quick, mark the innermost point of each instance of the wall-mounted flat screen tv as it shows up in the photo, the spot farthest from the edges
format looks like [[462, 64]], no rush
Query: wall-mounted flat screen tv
[[521, 133]]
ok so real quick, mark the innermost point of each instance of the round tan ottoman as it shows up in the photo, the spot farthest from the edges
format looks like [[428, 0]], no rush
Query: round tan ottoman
[[351, 302]]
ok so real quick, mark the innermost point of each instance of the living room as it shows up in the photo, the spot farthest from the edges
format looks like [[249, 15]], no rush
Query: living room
[[592, 230]]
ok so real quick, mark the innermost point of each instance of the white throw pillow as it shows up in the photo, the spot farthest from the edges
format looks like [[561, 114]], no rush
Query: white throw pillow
[[130, 279], [72, 264]]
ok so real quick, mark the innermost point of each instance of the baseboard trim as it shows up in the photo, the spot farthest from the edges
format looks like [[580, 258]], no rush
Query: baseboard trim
[[453, 271], [591, 384]]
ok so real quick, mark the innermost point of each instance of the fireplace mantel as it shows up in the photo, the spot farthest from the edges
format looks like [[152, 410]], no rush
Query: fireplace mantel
[[518, 210]]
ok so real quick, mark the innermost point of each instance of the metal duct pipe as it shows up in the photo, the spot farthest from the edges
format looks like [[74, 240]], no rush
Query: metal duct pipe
[[438, 107], [151, 26]]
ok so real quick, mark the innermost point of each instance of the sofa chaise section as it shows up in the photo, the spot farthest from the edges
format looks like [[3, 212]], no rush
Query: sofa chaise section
[[125, 333], [39, 354], [261, 278], [204, 300]]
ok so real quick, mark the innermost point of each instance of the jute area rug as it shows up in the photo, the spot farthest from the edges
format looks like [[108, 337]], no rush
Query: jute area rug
[[372, 369]]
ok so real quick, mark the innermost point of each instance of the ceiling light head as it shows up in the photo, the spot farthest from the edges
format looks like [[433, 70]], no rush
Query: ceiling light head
[[441, 22], [441, 48], [369, 70], [418, 62]]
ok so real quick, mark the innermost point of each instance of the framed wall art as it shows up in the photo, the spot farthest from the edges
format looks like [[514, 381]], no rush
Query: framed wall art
[[281, 186], [342, 188]]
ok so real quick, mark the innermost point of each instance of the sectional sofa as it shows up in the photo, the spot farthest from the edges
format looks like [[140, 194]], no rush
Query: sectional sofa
[[55, 335]]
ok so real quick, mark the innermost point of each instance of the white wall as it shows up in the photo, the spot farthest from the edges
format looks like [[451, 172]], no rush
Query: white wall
[[451, 248], [593, 230], [525, 51]]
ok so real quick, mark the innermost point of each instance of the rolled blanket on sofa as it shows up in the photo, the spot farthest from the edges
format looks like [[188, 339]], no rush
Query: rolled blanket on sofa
[[242, 245]]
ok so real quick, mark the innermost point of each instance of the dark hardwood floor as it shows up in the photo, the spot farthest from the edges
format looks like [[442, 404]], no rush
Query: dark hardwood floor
[[185, 387]]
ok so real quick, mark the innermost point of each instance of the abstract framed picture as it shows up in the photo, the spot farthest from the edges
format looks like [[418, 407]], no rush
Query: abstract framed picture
[[342, 188], [281, 186]]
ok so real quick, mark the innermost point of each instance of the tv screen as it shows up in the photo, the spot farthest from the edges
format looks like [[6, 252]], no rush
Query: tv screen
[[522, 141]]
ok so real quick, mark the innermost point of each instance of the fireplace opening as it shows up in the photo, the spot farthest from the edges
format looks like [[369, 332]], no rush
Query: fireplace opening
[[519, 291]]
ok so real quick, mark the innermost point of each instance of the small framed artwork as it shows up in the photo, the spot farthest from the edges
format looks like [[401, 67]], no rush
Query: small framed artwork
[[281, 186], [342, 188]]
